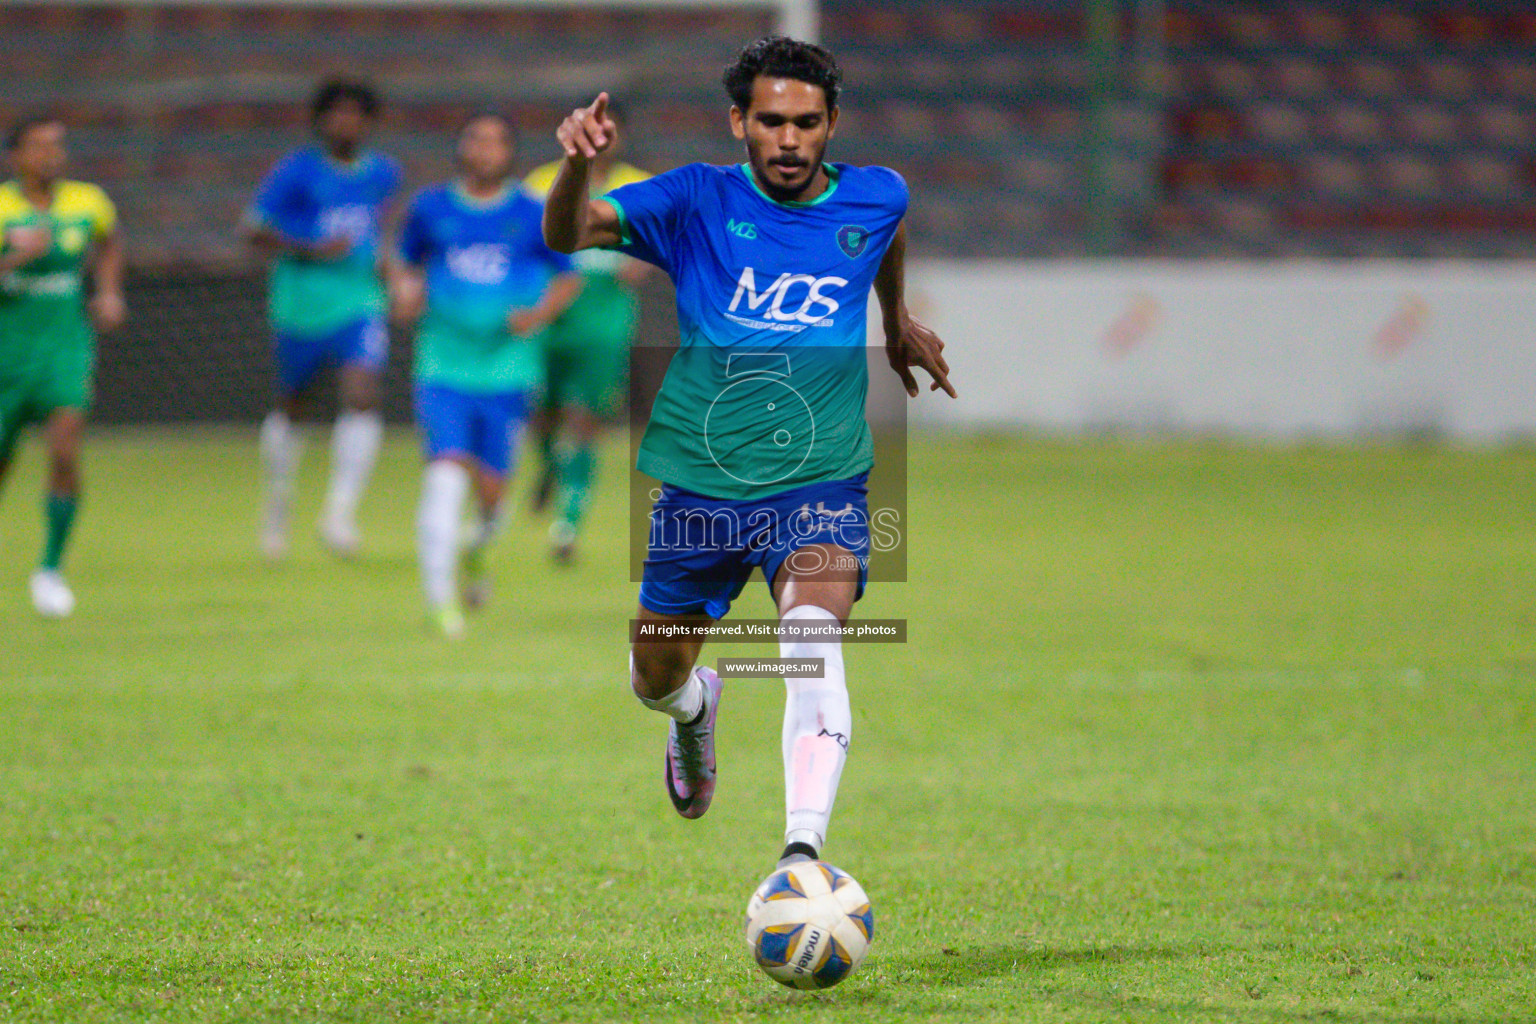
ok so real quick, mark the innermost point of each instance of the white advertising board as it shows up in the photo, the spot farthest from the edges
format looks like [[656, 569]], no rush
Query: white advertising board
[[1263, 350]]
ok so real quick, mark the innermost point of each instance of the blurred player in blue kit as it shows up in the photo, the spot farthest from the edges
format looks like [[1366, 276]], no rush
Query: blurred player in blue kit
[[320, 215], [474, 268], [773, 261]]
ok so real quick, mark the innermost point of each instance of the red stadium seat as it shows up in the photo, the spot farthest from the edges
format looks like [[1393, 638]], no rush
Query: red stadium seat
[[1502, 124], [1248, 27], [1353, 124], [1447, 78], [1425, 124], [1279, 124], [1372, 78], [1300, 78], [1319, 27], [1396, 29], [1513, 78], [1334, 176], [1232, 79], [1487, 176], [1409, 175]]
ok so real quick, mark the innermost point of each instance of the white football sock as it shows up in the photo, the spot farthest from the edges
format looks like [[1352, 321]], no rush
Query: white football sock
[[683, 703], [817, 727], [281, 445], [354, 449], [444, 486]]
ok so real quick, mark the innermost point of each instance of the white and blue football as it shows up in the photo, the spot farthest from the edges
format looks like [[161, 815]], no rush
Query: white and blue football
[[809, 925]]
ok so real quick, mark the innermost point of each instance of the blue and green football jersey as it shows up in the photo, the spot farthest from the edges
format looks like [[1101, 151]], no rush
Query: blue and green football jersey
[[482, 260], [767, 391], [312, 197]]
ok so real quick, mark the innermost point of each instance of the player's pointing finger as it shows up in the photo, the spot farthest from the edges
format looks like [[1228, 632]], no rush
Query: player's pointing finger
[[941, 380]]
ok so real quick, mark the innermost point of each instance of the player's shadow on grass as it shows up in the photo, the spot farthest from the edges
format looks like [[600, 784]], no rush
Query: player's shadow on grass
[[964, 965], [1132, 1007], [970, 965]]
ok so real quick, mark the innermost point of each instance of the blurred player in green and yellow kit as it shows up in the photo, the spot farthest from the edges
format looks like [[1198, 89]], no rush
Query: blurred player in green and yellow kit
[[586, 361], [51, 231]]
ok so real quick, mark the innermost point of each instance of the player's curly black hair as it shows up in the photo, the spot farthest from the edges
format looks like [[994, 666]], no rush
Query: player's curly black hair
[[782, 57], [333, 91], [17, 133]]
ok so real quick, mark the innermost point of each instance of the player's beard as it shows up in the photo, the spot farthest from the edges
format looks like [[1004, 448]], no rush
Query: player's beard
[[761, 169]]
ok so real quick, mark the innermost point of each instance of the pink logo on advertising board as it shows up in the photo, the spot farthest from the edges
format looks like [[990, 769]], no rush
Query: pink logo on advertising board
[[1132, 326], [1400, 330]]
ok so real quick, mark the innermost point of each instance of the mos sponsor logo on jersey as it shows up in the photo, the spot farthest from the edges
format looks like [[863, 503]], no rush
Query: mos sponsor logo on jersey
[[481, 263], [354, 221], [742, 229], [791, 302]]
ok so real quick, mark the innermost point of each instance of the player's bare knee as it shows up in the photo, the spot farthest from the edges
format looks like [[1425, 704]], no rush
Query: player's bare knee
[[360, 394], [659, 669]]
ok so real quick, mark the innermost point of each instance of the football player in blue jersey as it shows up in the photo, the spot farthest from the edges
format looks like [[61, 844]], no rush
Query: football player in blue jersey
[[473, 266], [320, 214], [758, 432]]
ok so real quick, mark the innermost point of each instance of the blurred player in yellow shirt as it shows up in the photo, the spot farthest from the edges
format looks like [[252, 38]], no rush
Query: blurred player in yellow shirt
[[586, 362], [51, 231]]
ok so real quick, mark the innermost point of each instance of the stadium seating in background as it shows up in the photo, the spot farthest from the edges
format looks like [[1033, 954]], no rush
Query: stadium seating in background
[[1396, 129], [1256, 129]]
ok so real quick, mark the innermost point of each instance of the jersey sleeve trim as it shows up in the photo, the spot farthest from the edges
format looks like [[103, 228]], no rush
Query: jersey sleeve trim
[[625, 238]]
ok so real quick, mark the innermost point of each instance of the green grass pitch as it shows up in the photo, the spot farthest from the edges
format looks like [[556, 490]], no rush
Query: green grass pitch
[[1184, 731]]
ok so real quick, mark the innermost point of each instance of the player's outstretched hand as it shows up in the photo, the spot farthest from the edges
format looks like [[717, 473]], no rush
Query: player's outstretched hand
[[587, 131], [523, 322], [407, 298], [108, 310], [328, 249], [911, 343]]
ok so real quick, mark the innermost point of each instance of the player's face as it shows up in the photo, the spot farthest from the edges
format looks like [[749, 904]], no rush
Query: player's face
[[485, 149], [345, 126], [41, 153], [786, 131]]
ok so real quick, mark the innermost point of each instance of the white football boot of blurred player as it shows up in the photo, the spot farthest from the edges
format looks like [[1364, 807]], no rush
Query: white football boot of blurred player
[[51, 596]]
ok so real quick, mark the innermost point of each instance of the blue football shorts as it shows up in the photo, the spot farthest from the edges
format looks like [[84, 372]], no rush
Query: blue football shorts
[[482, 427], [702, 550], [363, 342]]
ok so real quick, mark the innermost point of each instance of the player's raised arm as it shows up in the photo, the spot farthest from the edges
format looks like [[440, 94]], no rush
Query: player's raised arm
[[572, 220], [266, 225], [404, 275], [406, 287], [557, 298], [270, 241], [107, 308], [908, 342]]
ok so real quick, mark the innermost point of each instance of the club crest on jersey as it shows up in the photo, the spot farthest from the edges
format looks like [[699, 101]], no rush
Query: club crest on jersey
[[852, 239], [72, 239]]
